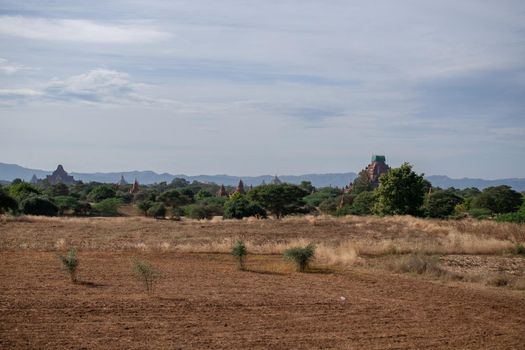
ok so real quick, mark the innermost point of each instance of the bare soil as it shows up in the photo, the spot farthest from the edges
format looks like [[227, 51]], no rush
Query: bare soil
[[203, 301]]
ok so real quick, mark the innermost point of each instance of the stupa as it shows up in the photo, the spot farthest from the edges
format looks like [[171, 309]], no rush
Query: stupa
[[60, 176], [135, 187], [240, 188], [222, 192]]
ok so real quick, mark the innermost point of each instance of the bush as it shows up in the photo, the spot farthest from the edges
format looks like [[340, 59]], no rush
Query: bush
[[7, 202], [301, 256], [145, 273], [38, 206], [419, 264], [238, 207], [200, 211], [107, 207], [520, 249], [101, 192], [157, 210], [480, 213], [239, 250], [70, 264], [65, 203]]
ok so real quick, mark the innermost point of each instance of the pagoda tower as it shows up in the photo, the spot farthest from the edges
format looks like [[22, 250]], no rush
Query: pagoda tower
[[135, 187]]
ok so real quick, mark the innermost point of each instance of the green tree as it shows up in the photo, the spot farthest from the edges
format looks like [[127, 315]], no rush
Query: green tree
[[7, 202], [307, 186], [441, 204], [279, 200], [38, 205], [315, 199], [101, 192], [361, 183], [65, 204], [499, 199], [58, 189], [401, 192], [21, 190], [173, 198], [238, 206], [108, 207], [363, 203], [157, 210], [203, 194]]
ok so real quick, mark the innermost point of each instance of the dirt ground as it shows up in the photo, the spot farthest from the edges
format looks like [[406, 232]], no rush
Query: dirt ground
[[203, 301]]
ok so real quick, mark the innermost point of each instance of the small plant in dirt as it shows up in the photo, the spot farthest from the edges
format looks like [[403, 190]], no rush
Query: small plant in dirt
[[70, 264], [145, 273], [520, 249], [239, 251], [301, 256]]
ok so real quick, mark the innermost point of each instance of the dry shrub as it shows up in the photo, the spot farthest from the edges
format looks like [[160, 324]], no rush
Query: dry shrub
[[344, 254], [418, 264], [498, 280]]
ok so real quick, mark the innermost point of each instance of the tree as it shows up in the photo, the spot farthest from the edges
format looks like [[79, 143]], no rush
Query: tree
[[21, 190], [179, 182], [101, 192], [280, 200], [238, 207], [173, 198], [108, 207], [36, 205], [499, 199], [363, 203], [361, 183], [307, 186], [58, 189], [203, 194], [7, 202], [65, 203], [315, 199], [441, 204], [401, 192], [157, 210], [202, 211]]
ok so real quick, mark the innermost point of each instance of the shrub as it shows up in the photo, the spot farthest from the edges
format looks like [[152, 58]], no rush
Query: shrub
[[201, 211], [108, 207], [145, 273], [239, 250], [238, 207], [38, 206], [7, 202], [419, 264], [157, 210], [70, 264], [480, 213], [101, 192], [517, 218], [301, 256], [520, 249]]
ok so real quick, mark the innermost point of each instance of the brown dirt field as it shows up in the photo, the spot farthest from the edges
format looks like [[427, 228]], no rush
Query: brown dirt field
[[204, 302]]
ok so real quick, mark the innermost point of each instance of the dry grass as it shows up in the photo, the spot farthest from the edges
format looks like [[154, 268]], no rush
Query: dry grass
[[338, 240]]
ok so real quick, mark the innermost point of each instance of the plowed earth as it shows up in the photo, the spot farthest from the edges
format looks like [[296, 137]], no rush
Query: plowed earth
[[202, 301]]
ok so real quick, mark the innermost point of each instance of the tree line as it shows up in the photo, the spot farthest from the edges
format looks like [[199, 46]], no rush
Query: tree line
[[401, 191]]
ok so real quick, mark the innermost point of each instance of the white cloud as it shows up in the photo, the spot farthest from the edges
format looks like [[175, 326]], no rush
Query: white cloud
[[10, 67], [78, 30], [97, 86]]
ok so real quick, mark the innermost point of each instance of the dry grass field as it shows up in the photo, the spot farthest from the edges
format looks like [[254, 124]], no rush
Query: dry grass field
[[376, 283]]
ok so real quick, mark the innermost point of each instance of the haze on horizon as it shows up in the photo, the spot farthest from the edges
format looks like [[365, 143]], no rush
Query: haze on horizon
[[274, 87]]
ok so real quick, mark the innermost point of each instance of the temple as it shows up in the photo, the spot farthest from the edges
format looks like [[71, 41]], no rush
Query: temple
[[60, 176], [276, 181], [240, 188], [34, 179], [122, 181], [135, 187], [222, 192], [376, 168]]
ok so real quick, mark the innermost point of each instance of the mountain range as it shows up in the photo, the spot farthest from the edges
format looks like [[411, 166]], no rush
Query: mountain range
[[9, 172]]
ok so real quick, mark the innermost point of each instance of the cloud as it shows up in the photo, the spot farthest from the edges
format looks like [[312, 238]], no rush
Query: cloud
[[8, 68], [97, 86], [78, 30]]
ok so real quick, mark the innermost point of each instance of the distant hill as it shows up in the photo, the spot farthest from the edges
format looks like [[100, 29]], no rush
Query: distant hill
[[9, 172]]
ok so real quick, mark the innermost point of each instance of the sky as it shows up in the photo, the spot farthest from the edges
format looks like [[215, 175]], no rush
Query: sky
[[264, 87]]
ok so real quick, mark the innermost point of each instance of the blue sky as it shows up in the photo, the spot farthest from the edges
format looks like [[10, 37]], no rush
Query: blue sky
[[264, 87]]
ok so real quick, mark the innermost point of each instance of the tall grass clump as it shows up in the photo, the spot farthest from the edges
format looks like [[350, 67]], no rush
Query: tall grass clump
[[70, 264], [301, 256], [145, 273], [239, 251]]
